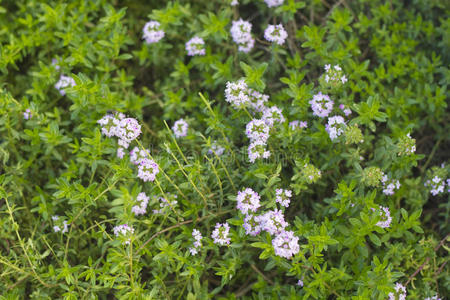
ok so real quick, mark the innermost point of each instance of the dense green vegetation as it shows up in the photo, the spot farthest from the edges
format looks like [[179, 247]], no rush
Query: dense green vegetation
[[65, 188]]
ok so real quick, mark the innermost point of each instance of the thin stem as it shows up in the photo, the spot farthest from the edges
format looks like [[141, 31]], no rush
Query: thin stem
[[15, 226], [188, 178]]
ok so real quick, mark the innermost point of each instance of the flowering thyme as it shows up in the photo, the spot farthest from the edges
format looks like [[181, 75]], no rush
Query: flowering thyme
[[180, 128], [335, 127], [236, 93], [241, 34], [141, 207], [286, 244], [124, 231], [321, 105], [152, 32], [64, 82], [220, 234], [283, 197], [248, 200], [275, 34], [147, 169], [195, 46]]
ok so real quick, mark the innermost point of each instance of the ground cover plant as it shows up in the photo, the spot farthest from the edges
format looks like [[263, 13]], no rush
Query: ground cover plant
[[254, 149]]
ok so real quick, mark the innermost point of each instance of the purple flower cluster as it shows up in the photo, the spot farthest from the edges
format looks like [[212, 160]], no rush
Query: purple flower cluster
[[197, 242], [220, 235], [257, 130], [321, 105], [216, 148], [257, 150], [141, 207], [334, 75], [241, 34], [126, 129], [286, 244], [136, 155], [251, 225], [180, 128], [273, 3], [389, 185], [275, 34], [152, 32], [58, 226], [257, 101], [335, 127], [386, 218], [27, 114], [272, 115], [236, 93], [347, 111], [283, 197], [248, 200], [64, 82], [400, 292], [195, 46], [147, 169], [124, 231]]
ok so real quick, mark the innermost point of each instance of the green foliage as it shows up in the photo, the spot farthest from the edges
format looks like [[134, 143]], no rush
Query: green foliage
[[395, 55]]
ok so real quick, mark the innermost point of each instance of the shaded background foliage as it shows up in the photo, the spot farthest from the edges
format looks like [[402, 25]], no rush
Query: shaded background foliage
[[396, 56]]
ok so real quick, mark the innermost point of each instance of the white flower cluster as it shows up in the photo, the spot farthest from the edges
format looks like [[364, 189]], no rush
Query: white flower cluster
[[152, 32], [273, 3], [241, 34], [437, 185], [335, 127], [276, 34], [124, 231], [141, 207], [180, 128], [64, 82], [221, 233], [321, 105], [136, 155], [285, 244], [257, 101], [58, 226], [257, 130], [197, 243], [127, 130], [147, 169], [283, 197], [334, 75], [386, 218], [195, 46], [433, 298], [236, 93], [27, 114], [400, 291], [389, 185], [248, 200]]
